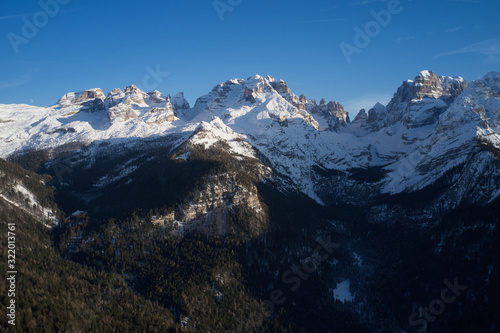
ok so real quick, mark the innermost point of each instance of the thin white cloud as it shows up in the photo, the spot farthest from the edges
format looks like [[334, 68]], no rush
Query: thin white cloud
[[365, 102], [15, 82], [455, 29], [365, 2], [404, 39], [326, 20], [18, 16], [489, 48]]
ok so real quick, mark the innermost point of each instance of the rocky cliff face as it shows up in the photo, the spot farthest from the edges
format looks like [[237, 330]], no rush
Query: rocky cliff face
[[332, 114], [91, 100], [369, 122], [420, 102], [416, 103], [131, 103], [210, 207], [329, 115], [179, 104]]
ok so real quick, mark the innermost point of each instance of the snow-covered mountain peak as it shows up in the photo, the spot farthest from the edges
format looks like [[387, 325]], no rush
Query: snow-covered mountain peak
[[180, 104], [132, 88], [492, 77], [265, 98], [426, 74], [260, 78], [79, 97], [90, 100], [419, 102], [488, 86]]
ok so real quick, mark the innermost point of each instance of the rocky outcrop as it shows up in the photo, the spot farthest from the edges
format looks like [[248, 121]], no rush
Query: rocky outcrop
[[416, 103], [419, 102], [134, 95], [114, 97], [426, 84], [155, 97], [281, 87], [91, 100], [332, 109], [221, 195], [160, 115], [300, 102], [370, 121], [90, 94], [129, 104], [122, 112], [333, 112], [361, 117], [179, 104], [249, 95]]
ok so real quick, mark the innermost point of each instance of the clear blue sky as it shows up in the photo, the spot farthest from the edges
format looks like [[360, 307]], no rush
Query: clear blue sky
[[112, 44]]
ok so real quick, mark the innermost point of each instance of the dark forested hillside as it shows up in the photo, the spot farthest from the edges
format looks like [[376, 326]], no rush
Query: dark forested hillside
[[56, 295]]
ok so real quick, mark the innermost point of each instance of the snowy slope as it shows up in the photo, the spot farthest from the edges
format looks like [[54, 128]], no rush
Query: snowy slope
[[472, 117], [432, 125]]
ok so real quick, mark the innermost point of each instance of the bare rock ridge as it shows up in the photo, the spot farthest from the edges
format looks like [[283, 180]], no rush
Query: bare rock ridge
[[416, 103], [332, 111], [432, 125], [127, 104], [91, 100], [257, 91], [132, 103]]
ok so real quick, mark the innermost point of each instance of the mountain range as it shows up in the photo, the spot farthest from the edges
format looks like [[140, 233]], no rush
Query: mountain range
[[432, 125], [272, 171]]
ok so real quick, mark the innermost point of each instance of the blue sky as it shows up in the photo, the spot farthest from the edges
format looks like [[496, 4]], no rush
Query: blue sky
[[112, 44]]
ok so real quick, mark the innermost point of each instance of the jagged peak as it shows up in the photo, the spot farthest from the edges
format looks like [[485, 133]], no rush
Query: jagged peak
[[131, 88], [261, 78], [491, 79], [75, 97], [426, 73], [115, 92], [361, 116], [179, 103], [155, 93], [378, 106], [492, 76]]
